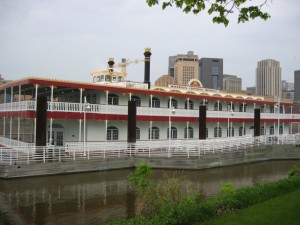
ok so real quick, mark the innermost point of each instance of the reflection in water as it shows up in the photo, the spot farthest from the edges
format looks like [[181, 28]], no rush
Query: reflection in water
[[93, 198]]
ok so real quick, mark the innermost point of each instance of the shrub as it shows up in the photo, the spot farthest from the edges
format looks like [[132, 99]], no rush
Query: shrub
[[294, 171]]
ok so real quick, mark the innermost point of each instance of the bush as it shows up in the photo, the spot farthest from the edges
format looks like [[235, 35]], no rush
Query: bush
[[294, 171], [173, 206]]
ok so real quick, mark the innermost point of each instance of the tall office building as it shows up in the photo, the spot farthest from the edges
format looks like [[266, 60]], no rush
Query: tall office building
[[268, 78], [172, 60], [232, 83], [211, 72], [287, 90], [297, 85], [186, 68]]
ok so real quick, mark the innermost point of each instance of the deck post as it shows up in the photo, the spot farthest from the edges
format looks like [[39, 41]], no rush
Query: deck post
[[202, 122], [256, 122]]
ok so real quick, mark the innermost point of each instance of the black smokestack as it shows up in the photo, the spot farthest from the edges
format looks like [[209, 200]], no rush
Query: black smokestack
[[111, 64], [147, 55]]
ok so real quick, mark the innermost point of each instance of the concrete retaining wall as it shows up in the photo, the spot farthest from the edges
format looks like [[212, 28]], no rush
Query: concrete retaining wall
[[256, 154], [51, 168]]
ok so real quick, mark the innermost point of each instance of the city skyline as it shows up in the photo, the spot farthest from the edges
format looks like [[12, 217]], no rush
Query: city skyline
[[68, 40]]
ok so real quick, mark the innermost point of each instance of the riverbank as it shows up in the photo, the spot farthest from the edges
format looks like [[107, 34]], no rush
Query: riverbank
[[283, 210], [192, 209], [204, 161]]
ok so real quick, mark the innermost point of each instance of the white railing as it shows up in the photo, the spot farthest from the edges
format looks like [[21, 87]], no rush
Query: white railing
[[122, 110], [163, 148], [13, 143]]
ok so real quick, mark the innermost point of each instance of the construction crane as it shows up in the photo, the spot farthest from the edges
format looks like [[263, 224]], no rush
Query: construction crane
[[124, 62]]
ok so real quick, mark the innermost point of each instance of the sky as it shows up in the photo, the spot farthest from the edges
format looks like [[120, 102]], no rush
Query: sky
[[69, 39]]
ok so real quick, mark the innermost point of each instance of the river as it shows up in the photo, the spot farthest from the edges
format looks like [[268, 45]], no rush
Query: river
[[94, 198]]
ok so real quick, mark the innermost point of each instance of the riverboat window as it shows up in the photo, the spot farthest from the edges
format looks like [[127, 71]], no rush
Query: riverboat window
[[217, 132], [191, 104], [137, 100], [241, 107], [112, 133], [206, 132], [262, 131], [88, 98], [137, 133], [190, 131], [154, 133], [242, 131], [281, 109], [113, 99], [155, 102], [174, 103], [96, 79], [271, 130], [230, 132], [280, 130], [173, 133], [262, 108], [216, 107], [272, 109], [93, 99], [107, 77]]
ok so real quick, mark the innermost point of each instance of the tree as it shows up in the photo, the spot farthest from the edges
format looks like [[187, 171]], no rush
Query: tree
[[246, 8]]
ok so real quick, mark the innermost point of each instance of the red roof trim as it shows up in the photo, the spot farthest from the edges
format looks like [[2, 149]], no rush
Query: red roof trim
[[77, 85]]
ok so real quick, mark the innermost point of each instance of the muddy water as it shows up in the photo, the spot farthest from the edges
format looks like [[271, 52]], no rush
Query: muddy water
[[93, 198]]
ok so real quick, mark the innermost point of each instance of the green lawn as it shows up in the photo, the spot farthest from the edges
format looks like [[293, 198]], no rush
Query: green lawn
[[282, 210]]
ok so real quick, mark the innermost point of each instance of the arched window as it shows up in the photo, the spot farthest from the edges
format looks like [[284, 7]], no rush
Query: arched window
[[112, 133], [120, 78], [230, 132], [173, 133], [242, 131], [191, 104], [190, 132], [217, 132], [154, 131], [280, 129], [96, 79], [137, 133], [271, 130], [155, 102], [102, 77], [107, 78], [137, 100], [174, 103], [113, 99]]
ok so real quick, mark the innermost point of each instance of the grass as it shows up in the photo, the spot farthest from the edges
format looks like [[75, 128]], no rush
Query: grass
[[282, 210]]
